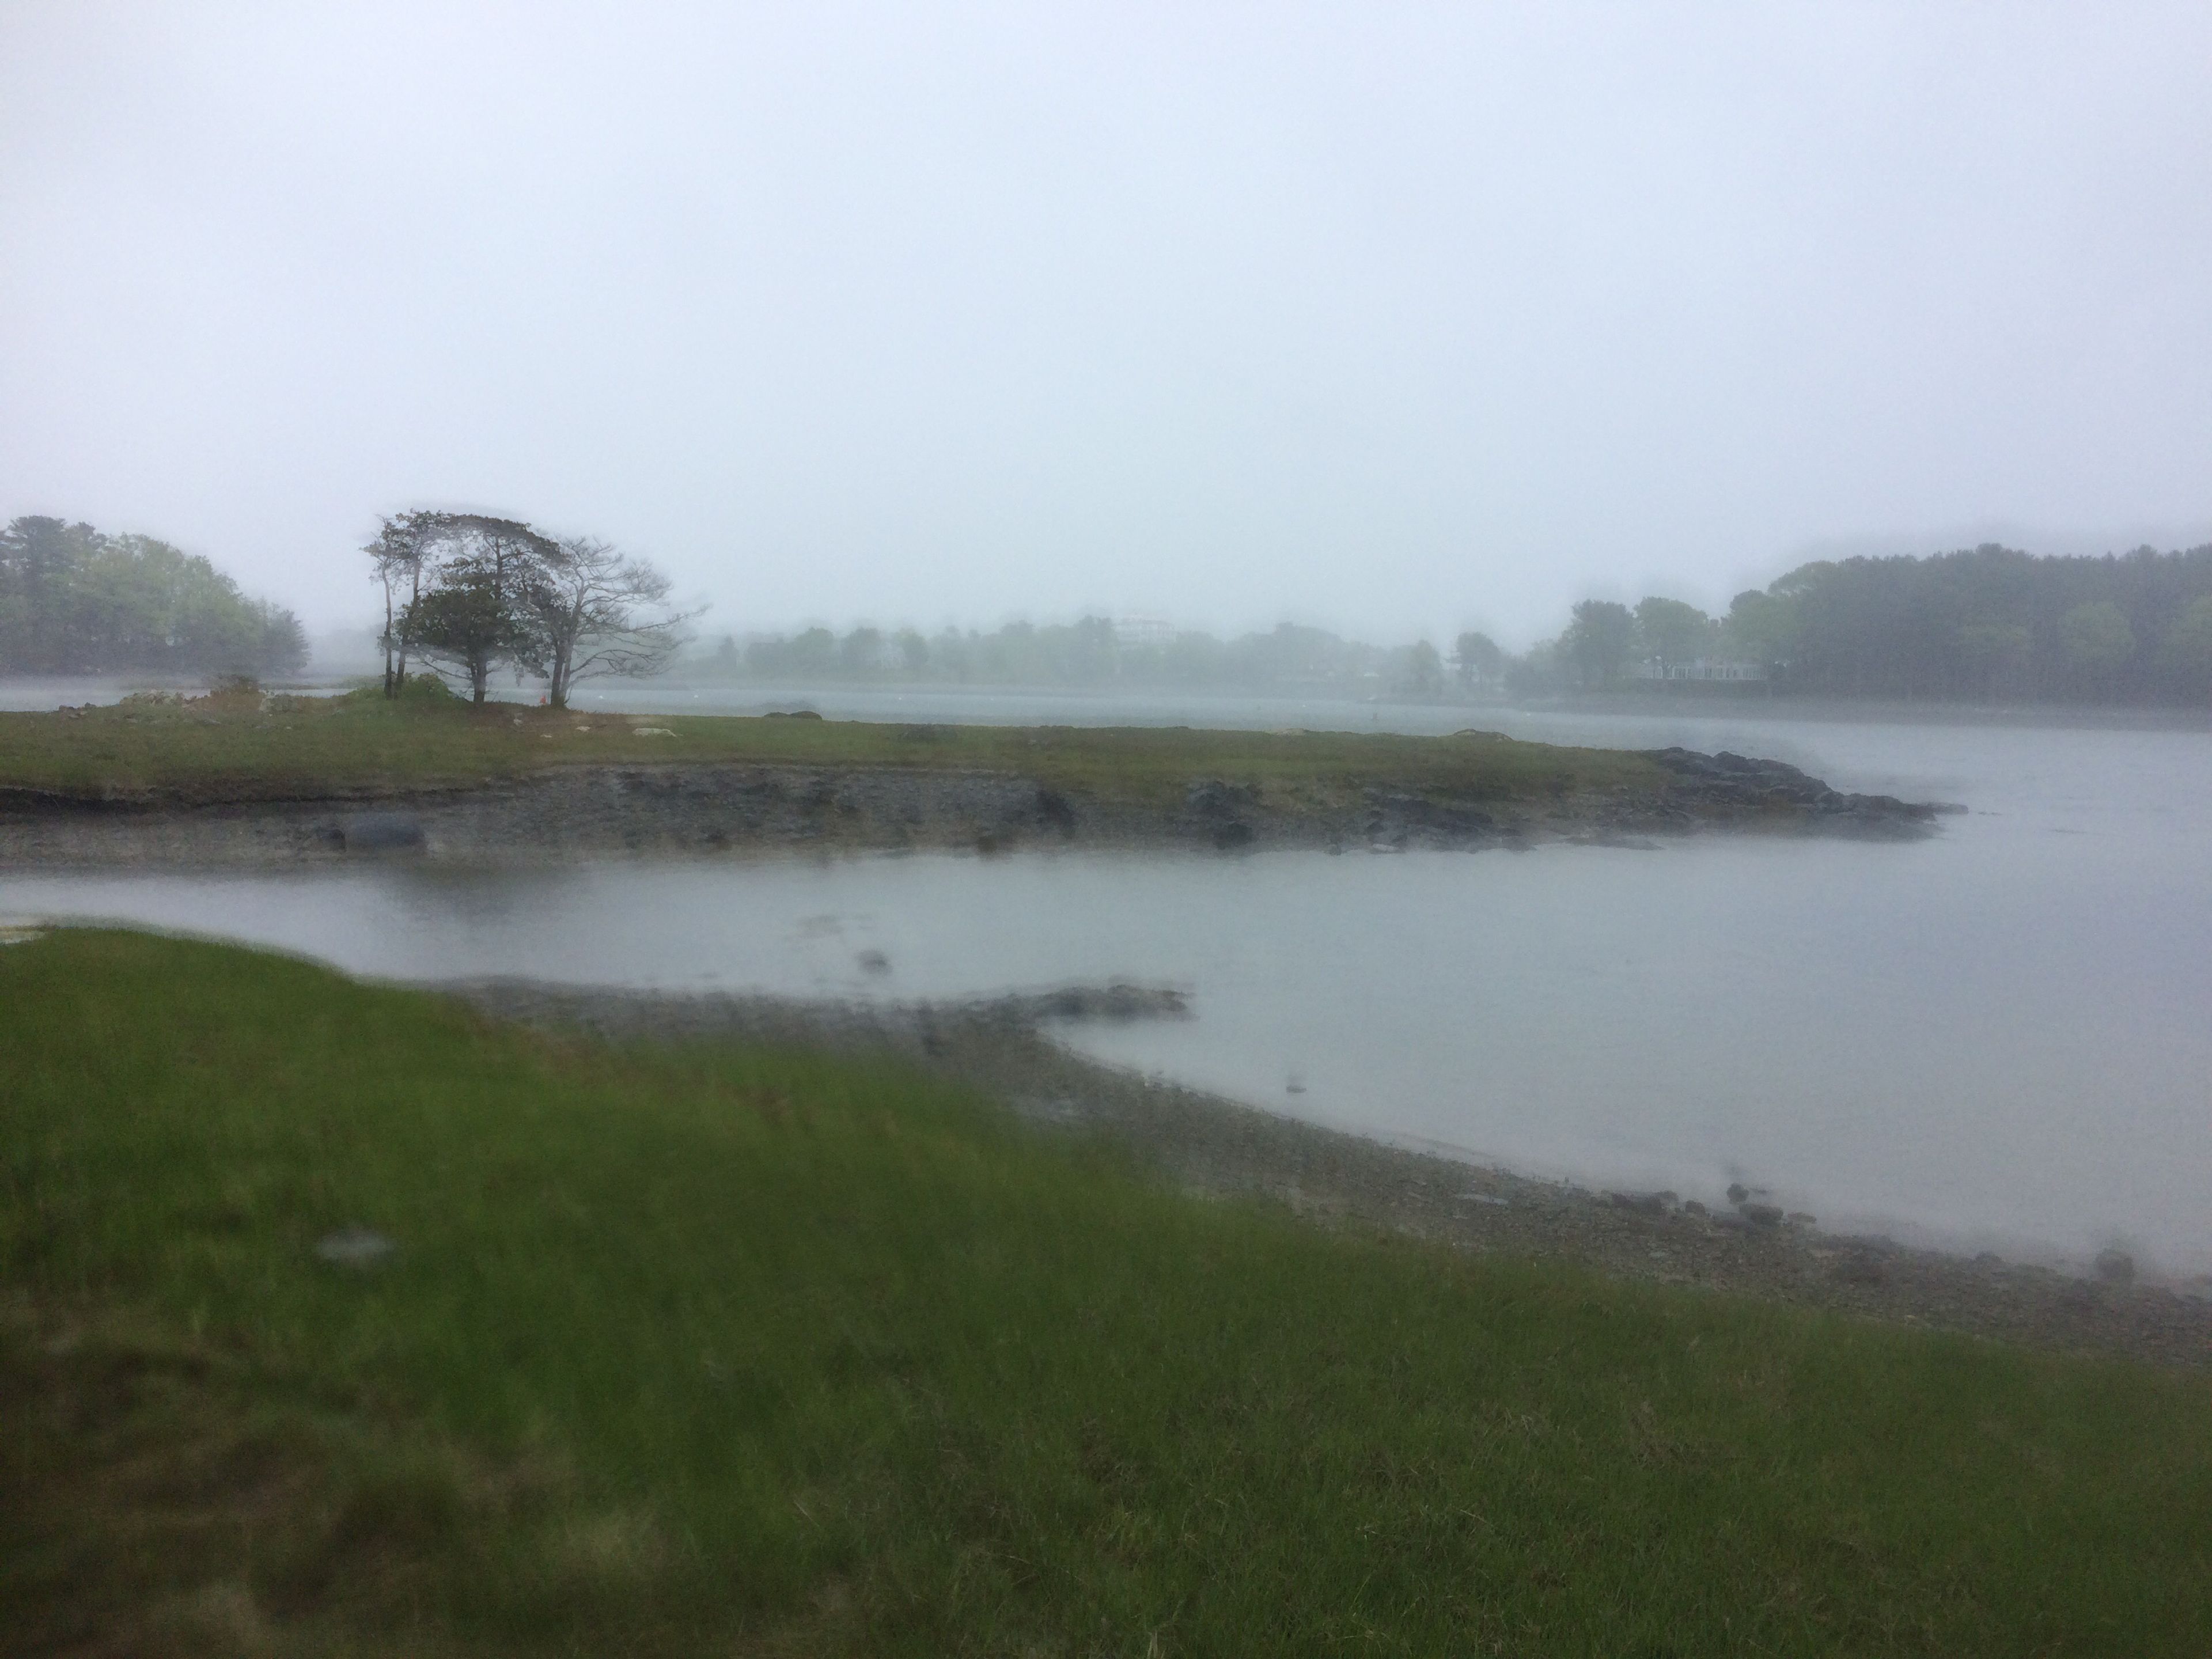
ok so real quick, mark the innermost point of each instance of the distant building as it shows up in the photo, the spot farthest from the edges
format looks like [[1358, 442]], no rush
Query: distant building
[[1703, 668]]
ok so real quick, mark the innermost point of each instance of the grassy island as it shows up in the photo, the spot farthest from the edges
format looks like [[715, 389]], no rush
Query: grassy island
[[249, 748], [255, 779], [711, 1348]]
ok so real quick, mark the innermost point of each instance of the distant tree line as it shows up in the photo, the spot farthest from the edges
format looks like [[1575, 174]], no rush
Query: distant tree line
[[1988, 624], [467, 593], [74, 600], [1093, 652]]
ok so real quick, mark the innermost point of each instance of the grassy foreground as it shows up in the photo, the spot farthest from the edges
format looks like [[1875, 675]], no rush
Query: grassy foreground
[[725, 1350], [238, 748]]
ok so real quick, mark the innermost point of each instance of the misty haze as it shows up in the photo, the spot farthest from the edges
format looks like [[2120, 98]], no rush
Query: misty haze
[[841, 830]]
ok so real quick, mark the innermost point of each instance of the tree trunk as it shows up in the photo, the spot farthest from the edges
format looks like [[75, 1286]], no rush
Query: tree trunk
[[390, 689], [414, 592]]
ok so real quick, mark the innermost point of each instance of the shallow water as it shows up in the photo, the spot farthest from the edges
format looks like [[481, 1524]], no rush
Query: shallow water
[[1996, 1038]]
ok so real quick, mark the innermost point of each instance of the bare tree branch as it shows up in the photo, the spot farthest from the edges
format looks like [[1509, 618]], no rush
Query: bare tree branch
[[595, 612]]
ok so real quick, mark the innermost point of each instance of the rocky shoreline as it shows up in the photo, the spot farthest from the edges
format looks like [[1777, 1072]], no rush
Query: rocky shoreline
[[599, 811], [1217, 1148]]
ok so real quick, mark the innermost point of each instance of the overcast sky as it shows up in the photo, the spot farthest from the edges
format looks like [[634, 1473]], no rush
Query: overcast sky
[[1392, 318]]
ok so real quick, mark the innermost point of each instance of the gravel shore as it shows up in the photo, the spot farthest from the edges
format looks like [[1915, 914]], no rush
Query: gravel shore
[[596, 811], [1218, 1148]]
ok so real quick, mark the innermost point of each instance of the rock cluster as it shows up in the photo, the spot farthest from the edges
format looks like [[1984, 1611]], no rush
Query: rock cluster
[[1726, 779], [587, 812]]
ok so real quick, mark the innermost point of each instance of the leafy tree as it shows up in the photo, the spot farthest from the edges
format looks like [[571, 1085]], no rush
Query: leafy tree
[[1998, 653], [1477, 659], [1982, 622], [1423, 673], [2187, 652], [2097, 640], [464, 625], [812, 655], [1599, 642], [861, 653], [475, 608], [73, 600], [1760, 627], [1673, 632]]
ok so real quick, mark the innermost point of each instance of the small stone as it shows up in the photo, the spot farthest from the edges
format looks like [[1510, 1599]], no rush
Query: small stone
[[354, 1246]]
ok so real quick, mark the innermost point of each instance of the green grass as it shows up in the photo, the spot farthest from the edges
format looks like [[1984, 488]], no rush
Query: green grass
[[726, 1350], [305, 747]]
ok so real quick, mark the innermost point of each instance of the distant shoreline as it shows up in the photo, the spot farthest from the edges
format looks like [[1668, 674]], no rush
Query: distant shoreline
[[2064, 717], [1716, 702]]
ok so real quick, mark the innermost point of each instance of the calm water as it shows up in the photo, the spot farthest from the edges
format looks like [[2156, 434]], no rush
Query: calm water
[[1996, 1037]]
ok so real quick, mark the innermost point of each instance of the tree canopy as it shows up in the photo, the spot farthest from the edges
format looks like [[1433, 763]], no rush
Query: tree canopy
[[1985, 623], [1988, 622], [74, 600], [468, 592]]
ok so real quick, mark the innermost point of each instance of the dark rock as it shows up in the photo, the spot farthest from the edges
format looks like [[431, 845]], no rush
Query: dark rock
[[1693, 1208], [1760, 1215], [1212, 798], [1738, 1192], [381, 832], [1643, 1203], [874, 962], [1055, 809], [2116, 1266], [1396, 818], [1220, 808], [1728, 779], [1117, 1001]]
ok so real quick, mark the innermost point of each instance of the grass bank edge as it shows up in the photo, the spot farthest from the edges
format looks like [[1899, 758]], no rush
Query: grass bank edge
[[805, 1354]]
